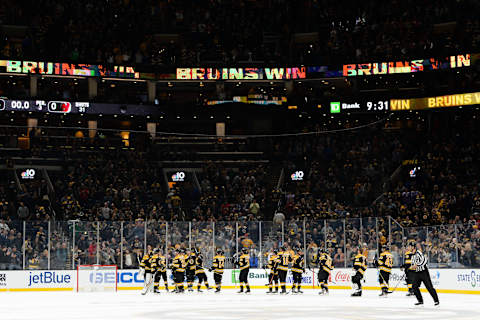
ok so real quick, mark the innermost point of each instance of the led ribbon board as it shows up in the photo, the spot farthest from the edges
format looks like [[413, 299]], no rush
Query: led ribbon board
[[437, 102]]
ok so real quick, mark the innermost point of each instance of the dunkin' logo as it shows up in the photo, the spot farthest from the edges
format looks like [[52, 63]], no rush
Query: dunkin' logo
[[342, 277]]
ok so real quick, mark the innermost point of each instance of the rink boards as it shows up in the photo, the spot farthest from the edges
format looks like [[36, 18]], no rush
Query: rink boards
[[465, 281]]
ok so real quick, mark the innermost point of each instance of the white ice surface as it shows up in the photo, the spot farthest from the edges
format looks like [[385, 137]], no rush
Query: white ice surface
[[230, 305]]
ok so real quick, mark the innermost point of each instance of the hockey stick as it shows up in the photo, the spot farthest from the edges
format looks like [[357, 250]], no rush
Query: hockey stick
[[291, 289], [380, 273], [266, 276], [399, 281]]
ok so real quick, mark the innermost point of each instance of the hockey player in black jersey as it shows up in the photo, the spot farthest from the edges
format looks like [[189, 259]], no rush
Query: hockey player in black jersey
[[407, 268], [199, 271], [158, 264], [324, 262], [178, 270], [273, 261], [298, 268], [384, 265], [284, 260], [146, 269], [190, 267], [217, 267], [243, 263], [359, 266]]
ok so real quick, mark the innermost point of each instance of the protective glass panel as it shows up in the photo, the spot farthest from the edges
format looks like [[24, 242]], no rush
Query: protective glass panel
[[157, 235], [419, 235], [315, 235], [36, 245], [225, 239], [202, 239], [271, 239], [248, 237], [85, 251], [178, 237], [442, 248], [133, 243], [293, 233], [397, 245], [110, 239], [335, 243], [11, 234], [61, 242], [371, 239], [352, 239], [468, 243]]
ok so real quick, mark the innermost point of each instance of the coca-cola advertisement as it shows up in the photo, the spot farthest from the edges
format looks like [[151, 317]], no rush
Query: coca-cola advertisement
[[340, 276]]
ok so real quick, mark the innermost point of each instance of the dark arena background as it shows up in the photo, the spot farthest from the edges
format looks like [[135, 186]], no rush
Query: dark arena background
[[250, 159]]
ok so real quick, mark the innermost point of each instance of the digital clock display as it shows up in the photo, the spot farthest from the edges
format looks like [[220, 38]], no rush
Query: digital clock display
[[377, 106]]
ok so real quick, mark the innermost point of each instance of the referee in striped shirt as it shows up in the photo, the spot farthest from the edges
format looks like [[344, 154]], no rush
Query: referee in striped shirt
[[421, 274]]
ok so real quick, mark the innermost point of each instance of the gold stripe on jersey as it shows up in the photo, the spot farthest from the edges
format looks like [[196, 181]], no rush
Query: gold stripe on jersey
[[158, 263], [179, 263], [199, 264], [360, 263], [191, 262], [385, 262], [244, 261], [145, 263], [284, 261], [408, 260], [218, 264], [273, 264], [326, 262], [297, 263]]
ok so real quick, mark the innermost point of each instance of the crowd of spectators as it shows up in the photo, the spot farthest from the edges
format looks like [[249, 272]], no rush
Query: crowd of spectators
[[363, 177], [188, 32]]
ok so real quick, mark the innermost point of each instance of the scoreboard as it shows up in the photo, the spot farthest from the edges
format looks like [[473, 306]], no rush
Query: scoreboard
[[334, 107], [75, 107], [44, 106]]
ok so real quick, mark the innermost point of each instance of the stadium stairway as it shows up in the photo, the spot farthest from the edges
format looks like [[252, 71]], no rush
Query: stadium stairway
[[276, 173]]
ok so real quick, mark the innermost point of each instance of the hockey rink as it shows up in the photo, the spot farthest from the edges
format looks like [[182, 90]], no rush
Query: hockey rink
[[229, 305]]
